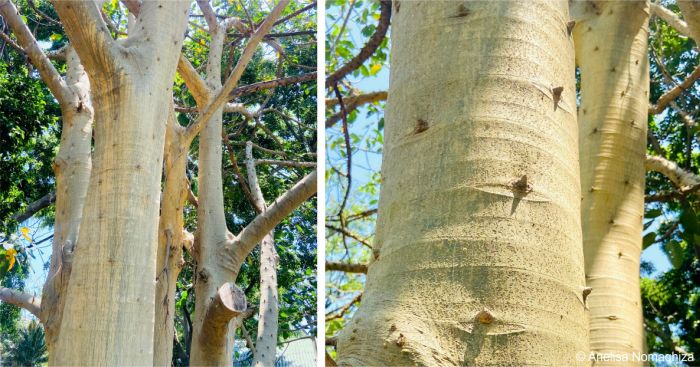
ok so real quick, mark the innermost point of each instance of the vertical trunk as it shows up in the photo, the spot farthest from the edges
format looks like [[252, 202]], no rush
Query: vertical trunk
[[266, 344], [212, 233], [72, 169], [478, 257], [110, 305], [172, 237], [611, 48], [109, 311]]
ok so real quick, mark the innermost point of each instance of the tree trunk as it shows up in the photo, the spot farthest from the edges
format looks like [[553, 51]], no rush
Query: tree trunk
[[212, 233], [109, 310], [72, 168], [611, 48], [268, 314], [172, 238], [478, 256]]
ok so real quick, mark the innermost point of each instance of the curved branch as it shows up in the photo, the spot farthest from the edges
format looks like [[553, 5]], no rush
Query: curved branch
[[282, 206], [680, 177], [48, 72], [222, 95], [269, 84], [21, 299], [676, 91], [671, 18], [367, 50], [34, 207]]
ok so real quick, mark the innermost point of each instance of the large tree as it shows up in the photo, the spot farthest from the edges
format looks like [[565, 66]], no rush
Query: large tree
[[616, 103], [478, 232], [117, 219]]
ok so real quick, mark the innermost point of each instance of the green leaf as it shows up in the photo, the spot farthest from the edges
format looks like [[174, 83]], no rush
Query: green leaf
[[648, 240]]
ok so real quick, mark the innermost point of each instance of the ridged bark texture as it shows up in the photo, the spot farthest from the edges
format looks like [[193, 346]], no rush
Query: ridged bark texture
[[212, 233], [72, 169], [172, 238], [478, 257], [268, 314], [611, 48], [109, 311]]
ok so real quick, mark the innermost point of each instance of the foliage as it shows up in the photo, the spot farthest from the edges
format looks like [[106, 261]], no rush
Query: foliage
[[30, 126], [670, 299], [29, 349]]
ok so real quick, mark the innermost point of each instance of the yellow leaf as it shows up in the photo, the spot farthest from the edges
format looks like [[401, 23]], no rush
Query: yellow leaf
[[375, 69], [10, 255], [25, 233]]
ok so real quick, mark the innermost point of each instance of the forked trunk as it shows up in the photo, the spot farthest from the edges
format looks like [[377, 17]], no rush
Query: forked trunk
[[109, 310], [478, 257]]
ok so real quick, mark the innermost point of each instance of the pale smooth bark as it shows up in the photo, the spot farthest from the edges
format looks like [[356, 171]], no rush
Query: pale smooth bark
[[268, 314], [109, 309], [213, 240], [212, 232], [21, 299], [71, 166], [611, 48], [477, 256], [691, 13], [683, 179], [172, 238], [670, 17]]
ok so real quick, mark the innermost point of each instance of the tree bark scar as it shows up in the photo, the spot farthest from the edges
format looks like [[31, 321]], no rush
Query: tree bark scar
[[462, 12], [521, 186], [556, 96], [421, 126], [570, 27]]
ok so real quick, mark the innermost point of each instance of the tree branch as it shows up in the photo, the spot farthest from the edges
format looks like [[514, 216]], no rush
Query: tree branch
[[285, 163], [89, 35], [680, 177], [282, 206], [346, 267], [269, 84], [222, 95], [21, 299], [368, 49], [193, 81], [352, 103], [34, 207], [691, 13], [671, 18], [36, 55], [674, 92], [228, 303]]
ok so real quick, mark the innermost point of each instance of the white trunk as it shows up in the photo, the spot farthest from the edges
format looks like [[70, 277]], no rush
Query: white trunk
[[72, 168], [477, 255], [109, 310], [611, 52]]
